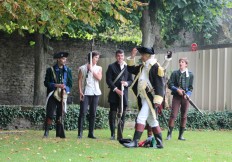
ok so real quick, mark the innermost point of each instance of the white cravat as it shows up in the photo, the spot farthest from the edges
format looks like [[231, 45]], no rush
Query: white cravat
[[186, 70]]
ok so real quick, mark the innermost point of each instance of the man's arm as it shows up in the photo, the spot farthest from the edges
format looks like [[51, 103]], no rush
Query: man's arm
[[109, 78], [69, 81], [80, 79], [98, 75], [167, 60]]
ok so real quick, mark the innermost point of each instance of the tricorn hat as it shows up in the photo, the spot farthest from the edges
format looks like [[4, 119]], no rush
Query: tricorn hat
[[143, 50], [60, 55]]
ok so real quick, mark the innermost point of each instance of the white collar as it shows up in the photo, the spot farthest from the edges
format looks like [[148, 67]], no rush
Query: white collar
[[150, 61], [186, 70]]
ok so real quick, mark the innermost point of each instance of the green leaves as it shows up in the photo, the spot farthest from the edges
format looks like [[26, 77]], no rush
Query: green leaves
[[199, 16], [52, 17]]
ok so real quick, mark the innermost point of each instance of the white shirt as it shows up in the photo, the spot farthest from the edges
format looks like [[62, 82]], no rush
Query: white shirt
[[92, 84]]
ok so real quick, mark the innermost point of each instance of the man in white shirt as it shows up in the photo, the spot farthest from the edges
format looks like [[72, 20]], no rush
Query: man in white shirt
[[116, 76], [89, 76]]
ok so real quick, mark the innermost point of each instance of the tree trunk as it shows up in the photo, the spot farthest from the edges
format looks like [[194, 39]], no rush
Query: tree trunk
[[40, 52], [150, 28]]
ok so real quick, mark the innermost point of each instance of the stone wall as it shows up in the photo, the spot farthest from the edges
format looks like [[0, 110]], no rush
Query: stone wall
[[17, 70], [17, 64]]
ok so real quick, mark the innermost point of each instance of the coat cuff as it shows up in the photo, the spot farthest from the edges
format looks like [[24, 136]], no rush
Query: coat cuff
[[189, 93], [158, 99], [130, 61]]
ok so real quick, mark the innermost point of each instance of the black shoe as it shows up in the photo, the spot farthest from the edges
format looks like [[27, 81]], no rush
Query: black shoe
[[181, 138], [159, 141], [79, 137], [169, 137], [92, 136], [181, 132], [112, 138], [45, 134]]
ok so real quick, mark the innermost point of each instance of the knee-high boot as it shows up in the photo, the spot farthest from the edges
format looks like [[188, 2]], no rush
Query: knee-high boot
[[181, 132], [158, 137], [112, 118], [91, 127], [80, 127], [137, 135], [47, 125], [169, 135], [60, 130]]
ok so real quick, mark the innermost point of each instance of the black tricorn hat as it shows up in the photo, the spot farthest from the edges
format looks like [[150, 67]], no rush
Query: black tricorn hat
[[60, 55], [145, 50]]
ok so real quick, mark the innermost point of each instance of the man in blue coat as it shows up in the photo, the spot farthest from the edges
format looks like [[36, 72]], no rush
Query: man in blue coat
[[58, 80]]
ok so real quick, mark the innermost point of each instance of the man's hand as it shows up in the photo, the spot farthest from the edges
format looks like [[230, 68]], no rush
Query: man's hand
[[62, 86], [119, 92], [89, 67], [81, 96], [169, 54], [180, 91], [157, 105], [124, 83]]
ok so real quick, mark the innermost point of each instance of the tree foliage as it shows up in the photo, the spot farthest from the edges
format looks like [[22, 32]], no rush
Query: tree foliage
[[58, 17], [199, 16]]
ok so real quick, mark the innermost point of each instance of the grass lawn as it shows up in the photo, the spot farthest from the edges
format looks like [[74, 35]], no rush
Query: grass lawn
[[206, 145]]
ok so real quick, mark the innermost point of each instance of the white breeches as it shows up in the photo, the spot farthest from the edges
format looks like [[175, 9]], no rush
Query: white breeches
[[146, 115]]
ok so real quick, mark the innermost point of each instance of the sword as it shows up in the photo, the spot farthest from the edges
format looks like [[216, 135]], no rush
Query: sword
[[192, 103]]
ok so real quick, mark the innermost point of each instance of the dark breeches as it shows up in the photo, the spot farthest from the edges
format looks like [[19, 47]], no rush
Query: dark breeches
[[92, 103], [53, 109], [178, 102]]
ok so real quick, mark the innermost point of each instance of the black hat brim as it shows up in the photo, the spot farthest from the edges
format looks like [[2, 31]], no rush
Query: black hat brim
[[144, 50], [60, 55]]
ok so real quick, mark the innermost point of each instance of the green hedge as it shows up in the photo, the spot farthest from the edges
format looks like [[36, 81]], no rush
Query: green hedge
[[36, 115], [195, 120]]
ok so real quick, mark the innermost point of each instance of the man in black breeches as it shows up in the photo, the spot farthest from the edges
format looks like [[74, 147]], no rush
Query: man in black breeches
[[58, 80]]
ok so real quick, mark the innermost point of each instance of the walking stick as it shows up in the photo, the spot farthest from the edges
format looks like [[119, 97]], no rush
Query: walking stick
[[120, 122]]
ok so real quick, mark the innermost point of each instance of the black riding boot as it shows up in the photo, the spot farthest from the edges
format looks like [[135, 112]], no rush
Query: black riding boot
[[46, 130], [137, 135], [158, 137], [169, 135], [91, 128], [60, 131], [47, 125], [112, 118], [136, 138], [159, 141], [181, 132], [80, 127]]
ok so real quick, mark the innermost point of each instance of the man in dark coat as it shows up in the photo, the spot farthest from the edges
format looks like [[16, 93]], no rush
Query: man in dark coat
[[148, 86], [181, 84], [116, 76], [58, 80]]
